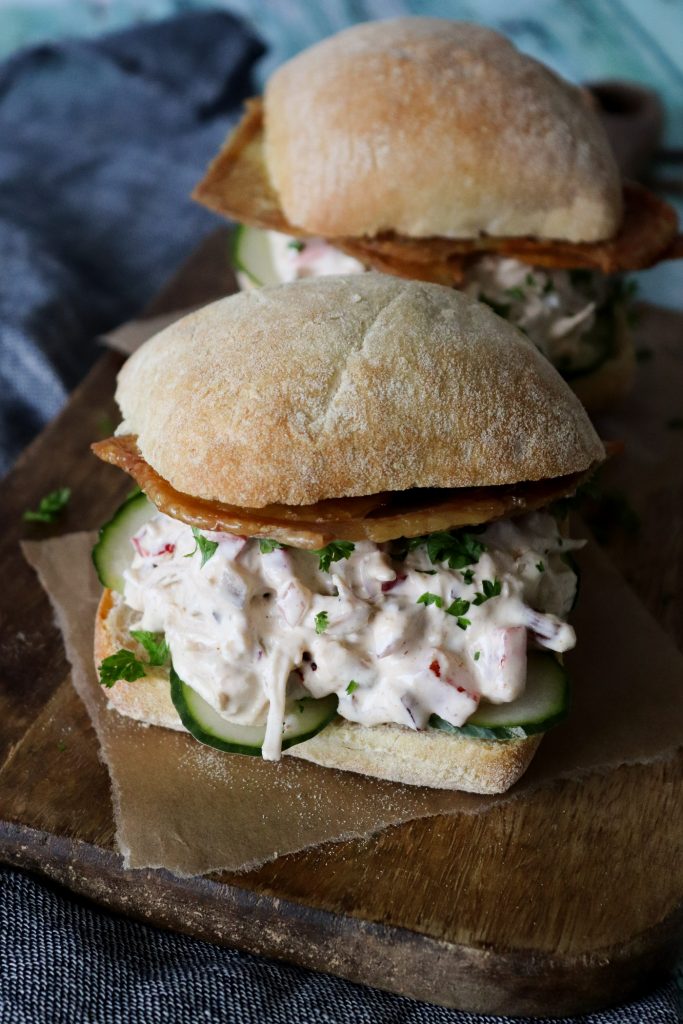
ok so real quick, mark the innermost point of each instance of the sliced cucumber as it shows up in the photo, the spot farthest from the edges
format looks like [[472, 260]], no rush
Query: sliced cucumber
[[252, 258], [304, 719], [113, 552], [545, 702]]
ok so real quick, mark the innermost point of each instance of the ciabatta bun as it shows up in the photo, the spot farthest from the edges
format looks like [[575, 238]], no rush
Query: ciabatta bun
[[330, 387], [429, 758], [432, 127]]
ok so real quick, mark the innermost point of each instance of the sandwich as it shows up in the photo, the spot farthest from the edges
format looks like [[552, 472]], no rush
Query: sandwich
[[432, 149], [344, 547]]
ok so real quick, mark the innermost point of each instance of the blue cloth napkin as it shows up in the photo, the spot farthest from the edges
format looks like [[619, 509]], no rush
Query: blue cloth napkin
[[100, 146], [64, 963]]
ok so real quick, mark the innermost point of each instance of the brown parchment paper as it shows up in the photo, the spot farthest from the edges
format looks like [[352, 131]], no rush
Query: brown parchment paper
[[189, 809]]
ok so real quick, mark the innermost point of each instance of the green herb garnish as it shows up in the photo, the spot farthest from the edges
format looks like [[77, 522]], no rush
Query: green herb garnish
[[296, 244], [468, 575], [515, 293], [122, 665], [457, 548], [489, 589], [428, 599], [321, 622], [333, 552], [266, 545], [50, 507], [540, 566], [477, 655], [459, 607], [530, 280], [205, 546], [352, 687], [154, 643]]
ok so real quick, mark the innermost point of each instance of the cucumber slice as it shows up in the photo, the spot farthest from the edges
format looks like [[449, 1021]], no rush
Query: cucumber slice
[[304, 719], [545, 702], [113, 552], [252, 258]]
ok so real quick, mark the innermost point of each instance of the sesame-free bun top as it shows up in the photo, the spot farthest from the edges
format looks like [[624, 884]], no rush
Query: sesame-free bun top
[[430, 127], [338, 386]]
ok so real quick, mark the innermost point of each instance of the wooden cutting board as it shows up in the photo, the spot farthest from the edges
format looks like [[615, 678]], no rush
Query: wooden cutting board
[[561, 903]]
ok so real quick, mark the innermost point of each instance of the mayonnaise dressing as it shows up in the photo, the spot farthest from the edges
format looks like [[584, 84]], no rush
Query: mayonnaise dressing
[[557, 313], [251, 631]]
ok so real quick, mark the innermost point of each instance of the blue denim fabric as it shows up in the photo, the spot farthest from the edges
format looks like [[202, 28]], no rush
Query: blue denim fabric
[[100, 146]]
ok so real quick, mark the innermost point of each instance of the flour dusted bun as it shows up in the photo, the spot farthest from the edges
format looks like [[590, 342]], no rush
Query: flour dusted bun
[[428, 758], [430, 127], [338, 386]]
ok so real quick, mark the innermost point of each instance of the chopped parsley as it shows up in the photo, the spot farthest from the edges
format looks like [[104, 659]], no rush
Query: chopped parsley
[[428, 599], [321, 622], [540, 566], [477, 655], [122, 665], [459, 607], [468, 575], [515, 293], [296, 244], [205, 546], [266, 545], [154, 643], [333, 552], [456, 547], [530, 280], [489, 589], [50, 507], [352, 687]]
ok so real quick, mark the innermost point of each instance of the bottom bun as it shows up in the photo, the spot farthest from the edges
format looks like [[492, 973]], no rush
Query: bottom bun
[[428, 758]]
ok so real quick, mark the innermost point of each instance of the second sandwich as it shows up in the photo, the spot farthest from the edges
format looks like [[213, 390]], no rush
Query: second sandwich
[[344, 547]]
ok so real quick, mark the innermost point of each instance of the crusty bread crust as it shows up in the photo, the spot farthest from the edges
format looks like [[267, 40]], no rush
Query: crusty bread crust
[[427, 126], [338, 386], [392, 752]]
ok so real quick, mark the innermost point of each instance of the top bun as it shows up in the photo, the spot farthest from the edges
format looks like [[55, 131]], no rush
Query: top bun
[[339, 386], [429, 127]]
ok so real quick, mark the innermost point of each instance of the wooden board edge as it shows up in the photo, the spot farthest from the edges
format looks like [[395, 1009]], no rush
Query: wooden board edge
[[382, 956]]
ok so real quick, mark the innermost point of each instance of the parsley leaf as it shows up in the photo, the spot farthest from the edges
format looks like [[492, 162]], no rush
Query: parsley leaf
[[154, 643], [321, 622], [477, 655], [468, 575], [458, 549], [205, 546], [463, 623], [333, 552], [352, 687], [50, 507], [530, 280], [122, 665], [540, 566], [266, 545], [428, 599], [490, 588], [296, 244], [515, 293], [459, 607]]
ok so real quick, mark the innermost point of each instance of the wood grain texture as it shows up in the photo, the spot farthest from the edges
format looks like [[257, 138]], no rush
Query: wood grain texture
[[568, 900]]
